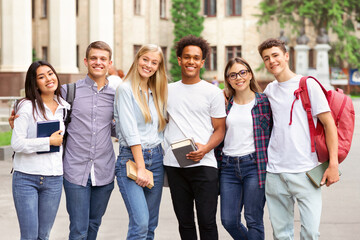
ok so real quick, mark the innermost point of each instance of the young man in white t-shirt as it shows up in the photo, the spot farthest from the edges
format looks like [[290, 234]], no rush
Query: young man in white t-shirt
[[289, 151], [196, 109]]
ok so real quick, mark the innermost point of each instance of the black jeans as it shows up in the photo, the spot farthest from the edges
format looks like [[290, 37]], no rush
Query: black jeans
[[199, 184]]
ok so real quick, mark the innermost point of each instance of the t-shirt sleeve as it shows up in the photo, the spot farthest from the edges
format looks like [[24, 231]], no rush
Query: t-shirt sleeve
[[318, 101], [217, 109]]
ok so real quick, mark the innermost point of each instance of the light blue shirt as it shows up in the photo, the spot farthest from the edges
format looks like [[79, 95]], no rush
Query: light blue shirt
[[131, 128]]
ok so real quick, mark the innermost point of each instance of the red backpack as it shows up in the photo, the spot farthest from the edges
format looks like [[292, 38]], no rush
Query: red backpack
[[342, 110]]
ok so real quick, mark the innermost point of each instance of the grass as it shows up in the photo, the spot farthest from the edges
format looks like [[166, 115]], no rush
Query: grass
[[5, 138]]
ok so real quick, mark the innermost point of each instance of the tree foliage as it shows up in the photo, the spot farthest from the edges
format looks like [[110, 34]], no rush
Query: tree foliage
[[334, 15], [186, 19]]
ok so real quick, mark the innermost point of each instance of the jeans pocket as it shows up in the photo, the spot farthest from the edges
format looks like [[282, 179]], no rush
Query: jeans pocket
[[224, 164]]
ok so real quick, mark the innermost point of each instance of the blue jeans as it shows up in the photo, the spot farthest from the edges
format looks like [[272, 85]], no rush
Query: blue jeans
[[239, 188], [282, 189], [86, 207], [142, 204], [36, 199]]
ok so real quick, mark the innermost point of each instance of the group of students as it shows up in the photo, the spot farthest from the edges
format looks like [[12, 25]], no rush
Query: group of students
[[260, 155]]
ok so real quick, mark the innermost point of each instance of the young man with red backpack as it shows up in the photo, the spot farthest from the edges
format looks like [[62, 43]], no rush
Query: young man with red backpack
[[289, 153]]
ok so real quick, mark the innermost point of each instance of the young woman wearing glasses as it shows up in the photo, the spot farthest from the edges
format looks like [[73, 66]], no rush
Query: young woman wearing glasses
[[244, 157]]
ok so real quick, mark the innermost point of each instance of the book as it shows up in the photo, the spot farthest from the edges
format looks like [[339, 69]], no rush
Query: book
[[45, 129], [317, 173], [131, 172], [181, 148]]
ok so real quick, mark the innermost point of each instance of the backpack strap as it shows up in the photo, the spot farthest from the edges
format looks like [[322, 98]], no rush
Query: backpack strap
[[70, 93], [70, 96], [303, 93]]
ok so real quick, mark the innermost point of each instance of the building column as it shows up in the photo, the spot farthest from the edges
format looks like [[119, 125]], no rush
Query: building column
[[16, 44], [62, 35], [101, 19], [302, 59], [322, 65]]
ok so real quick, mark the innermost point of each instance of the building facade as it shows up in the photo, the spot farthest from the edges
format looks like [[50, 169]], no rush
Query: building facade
[[59, 31]]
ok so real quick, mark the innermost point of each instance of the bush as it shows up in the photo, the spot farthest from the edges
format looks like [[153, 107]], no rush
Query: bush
[[5, 138]]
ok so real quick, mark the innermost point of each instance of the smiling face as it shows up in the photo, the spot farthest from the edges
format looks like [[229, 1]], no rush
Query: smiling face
[[97, 63], [240, 83], [46, 80], [148, 64], [276, 61], [191, 62]]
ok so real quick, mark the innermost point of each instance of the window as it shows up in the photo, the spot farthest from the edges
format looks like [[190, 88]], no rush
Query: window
[[137, 7], [210, 8], [164, 50], [77, 56], [211, 61], [77, 7], [163, 9], [136, 49], [44, 9], [312, 58], [292, 59], [33, 9], [232, 51], [233, 7], [44, 53]]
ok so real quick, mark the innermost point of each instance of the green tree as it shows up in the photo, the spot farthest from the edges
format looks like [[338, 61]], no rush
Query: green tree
[[333, 15], [186, 19]]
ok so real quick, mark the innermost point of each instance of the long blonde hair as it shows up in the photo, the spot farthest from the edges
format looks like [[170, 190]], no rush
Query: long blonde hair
[[157, 83]]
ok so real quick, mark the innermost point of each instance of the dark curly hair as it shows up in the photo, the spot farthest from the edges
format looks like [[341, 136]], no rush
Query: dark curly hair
[[193, 41]]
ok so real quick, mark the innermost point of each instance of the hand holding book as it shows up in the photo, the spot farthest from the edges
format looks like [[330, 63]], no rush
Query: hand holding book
[[131, 172], [56, 138], [182, 149], [142, 177], [197, 155], [52, 130]]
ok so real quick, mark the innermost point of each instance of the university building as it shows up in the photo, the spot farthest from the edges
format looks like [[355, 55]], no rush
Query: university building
[[59, 31]]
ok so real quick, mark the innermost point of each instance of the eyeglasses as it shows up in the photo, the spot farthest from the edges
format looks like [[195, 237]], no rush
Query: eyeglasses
[[242, 74]]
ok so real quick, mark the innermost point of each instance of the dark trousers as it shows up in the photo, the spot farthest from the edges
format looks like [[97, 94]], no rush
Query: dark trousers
[[199, 184]]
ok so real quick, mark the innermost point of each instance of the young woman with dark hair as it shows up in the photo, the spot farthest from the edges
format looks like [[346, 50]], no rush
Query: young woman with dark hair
[[244, 155], [37, 178]]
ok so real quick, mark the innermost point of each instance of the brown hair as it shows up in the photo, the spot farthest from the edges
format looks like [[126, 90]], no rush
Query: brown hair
[[271, 42], [99, 45], [254, 86]]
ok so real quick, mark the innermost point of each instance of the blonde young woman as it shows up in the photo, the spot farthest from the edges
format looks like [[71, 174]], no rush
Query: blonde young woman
[[139, 110]]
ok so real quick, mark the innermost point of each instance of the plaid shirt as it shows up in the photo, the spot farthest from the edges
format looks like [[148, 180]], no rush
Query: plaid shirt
[[262, 120]]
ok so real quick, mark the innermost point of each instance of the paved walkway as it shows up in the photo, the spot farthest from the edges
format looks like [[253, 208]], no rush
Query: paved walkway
[[340, 216]]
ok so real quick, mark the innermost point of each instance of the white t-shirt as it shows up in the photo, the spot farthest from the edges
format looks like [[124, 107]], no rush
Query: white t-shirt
[[25, 142], [289, 147], [192, 106], [239, 138], [114, 81]]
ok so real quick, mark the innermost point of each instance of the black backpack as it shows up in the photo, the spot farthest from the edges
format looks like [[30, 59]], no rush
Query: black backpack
[[70, 96]]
